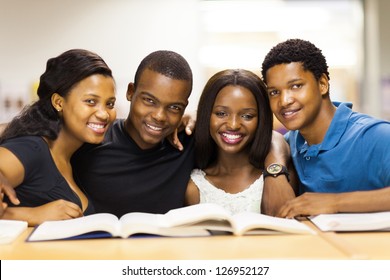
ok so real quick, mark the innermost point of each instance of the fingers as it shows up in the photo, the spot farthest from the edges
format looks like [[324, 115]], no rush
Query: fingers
[[304, 205], [59, 210], [291, 209], [72, 210], [176, 142], [283, 212], [190, 127], [189, 120], [10, 192]]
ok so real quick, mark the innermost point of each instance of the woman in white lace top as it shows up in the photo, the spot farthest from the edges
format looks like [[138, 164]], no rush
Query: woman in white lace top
[[232, 136]]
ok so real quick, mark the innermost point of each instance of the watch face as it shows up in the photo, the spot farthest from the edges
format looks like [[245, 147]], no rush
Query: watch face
[[274, 168]]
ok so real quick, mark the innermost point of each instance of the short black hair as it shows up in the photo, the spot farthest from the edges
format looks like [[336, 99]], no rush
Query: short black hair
[[167, 63], [296, 50], [206, 148]]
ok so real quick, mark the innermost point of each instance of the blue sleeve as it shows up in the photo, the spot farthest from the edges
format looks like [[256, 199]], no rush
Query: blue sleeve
[[287, 136], [379, 147]]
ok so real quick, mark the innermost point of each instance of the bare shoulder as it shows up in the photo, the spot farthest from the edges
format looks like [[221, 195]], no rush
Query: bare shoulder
[[192, 194]]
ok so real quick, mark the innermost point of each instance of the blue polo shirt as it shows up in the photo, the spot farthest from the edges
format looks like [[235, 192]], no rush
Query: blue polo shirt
[[354, 155]]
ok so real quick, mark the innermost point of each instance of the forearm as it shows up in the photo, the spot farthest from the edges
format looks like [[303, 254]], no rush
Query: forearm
[[364, 201], [276, 192], [279, 151], [20, 213]]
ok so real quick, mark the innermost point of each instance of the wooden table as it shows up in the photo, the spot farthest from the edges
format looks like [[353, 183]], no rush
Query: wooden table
[[196, 248], [364, 245], [287, 256]]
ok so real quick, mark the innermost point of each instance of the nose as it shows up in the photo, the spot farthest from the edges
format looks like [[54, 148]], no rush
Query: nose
[[159, 115], [286, 98], [102, 114], [233, 122]]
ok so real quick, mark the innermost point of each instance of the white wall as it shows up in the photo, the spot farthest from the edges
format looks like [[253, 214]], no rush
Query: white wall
[[121, 31], [125, 31], [384, 52], [375, 96]]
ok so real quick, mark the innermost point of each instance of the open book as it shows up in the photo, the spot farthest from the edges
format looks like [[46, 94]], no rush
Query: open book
[[376, 221], [10, 230], [196, 220]]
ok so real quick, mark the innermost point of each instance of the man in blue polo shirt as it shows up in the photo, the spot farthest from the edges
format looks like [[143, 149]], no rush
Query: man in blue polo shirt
[[342, 157]]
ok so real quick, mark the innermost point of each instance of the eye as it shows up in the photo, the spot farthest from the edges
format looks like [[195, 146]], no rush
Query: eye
[[296, 86], [273, 92], [148, 100], [111, 104], [220, 114], [247, 117], [176, 108], [90, 101]]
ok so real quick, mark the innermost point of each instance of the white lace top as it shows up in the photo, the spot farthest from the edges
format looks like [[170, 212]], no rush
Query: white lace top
[[248, 200]]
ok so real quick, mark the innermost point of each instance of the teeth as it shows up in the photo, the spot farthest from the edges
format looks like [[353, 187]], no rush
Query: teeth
[[97, 126], [231, 136], [154, 127], [289, 113]]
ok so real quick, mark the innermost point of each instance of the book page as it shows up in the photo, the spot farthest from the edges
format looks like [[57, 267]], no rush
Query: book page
[[215, 226], [194, 213], [137, 222], [10, 230], [52, 230], [378, 221], [190, 231], [146, 223], [244, 222]]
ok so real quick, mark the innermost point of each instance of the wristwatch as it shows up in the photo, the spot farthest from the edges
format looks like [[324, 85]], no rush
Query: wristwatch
[[276, 169]]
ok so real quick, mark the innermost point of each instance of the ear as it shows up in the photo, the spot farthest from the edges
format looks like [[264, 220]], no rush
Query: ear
[[130, 91], [324, 84], [57, 102]]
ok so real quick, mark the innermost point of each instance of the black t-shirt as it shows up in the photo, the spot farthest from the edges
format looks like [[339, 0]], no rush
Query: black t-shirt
[[119, 177], [42, 183]]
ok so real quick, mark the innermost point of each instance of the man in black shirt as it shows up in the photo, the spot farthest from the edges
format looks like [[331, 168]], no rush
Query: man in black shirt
[[136, 168]]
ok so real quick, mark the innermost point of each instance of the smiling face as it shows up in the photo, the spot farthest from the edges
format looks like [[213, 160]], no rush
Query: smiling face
[[88, 109], [296, 97], [234, 119], [157, 106]]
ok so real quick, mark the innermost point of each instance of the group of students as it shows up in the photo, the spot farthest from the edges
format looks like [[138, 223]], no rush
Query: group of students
[[67, 155]]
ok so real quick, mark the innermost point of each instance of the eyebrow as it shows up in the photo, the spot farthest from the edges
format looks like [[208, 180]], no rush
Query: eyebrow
[[288, 82], [98, 96], [243, 109], [92, 94], [294, 81], [145, 93]]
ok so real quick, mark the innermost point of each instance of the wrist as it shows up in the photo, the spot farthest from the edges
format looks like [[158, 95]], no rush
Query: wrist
[[275, 170]]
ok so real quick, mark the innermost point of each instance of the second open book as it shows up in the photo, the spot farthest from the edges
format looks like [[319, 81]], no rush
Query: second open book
[[196, 220], [375, 221]]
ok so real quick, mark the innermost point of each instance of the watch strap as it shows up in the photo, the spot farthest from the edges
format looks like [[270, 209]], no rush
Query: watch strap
[[283, 171]]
